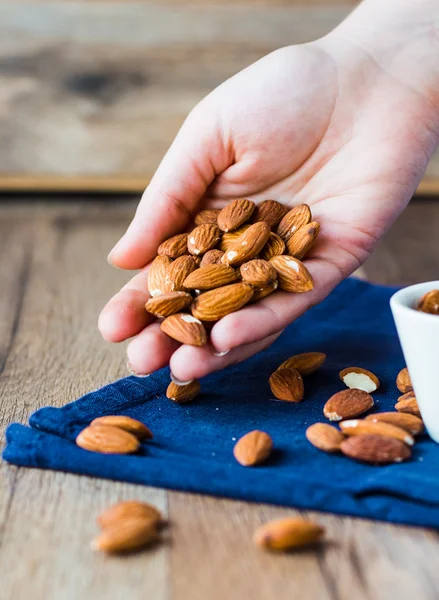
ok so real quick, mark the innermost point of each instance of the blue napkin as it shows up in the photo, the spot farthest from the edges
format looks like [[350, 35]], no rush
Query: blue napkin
[[193, 443]]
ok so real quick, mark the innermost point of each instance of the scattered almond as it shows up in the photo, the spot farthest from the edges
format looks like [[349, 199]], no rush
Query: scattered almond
[[275, 246], [325, 437], [270, 211], [174, 247], [258, 272], [129, 509], [410, 423], [296, 218], [137, 428], [218, 303], [107, 440], [365, 427], [183, 393], [235, 214], [168, 304], [429, 303], [185, 328], [408, 404], [403, 381], [253, 448], [306, 363], [127, 535], [292, 275], [375, 449], [203, 238], [288, 533], [300, 243], [209, 215], [248, 245], [287, 385], [157, 275], [347, 405], [177, 272], [360, 379], [210, 277], [212, 257]]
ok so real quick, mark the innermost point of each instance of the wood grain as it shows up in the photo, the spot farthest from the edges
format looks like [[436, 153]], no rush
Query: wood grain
[[50, 352]]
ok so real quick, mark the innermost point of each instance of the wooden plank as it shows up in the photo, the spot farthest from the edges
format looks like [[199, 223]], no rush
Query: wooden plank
[[51, 352], [115, 184], [97, 89]]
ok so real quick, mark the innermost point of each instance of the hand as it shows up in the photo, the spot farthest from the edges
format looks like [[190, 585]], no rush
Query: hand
[[345, 130]]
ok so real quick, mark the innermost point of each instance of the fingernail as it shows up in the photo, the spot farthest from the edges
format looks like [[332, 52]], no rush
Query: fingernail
[[178, 382], [133, 372], [222, 353]]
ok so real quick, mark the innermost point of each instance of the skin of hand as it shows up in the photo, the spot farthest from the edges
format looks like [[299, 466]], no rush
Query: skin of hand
[[346, 124]]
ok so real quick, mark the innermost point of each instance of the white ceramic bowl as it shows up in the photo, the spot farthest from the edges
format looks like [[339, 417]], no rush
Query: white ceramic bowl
[[419, 336]]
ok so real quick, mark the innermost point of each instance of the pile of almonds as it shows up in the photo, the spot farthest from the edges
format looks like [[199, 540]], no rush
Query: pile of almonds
[[429, 303], [232, 257]]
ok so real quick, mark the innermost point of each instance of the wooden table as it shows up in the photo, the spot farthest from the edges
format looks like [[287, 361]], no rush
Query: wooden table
[[54, 279]]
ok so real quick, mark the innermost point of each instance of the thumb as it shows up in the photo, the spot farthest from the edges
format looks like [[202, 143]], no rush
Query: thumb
[[196, 156]]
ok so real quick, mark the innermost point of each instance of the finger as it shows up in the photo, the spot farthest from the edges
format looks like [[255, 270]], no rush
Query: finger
[[190, 362], [150, 350], [125, 314], [195, 157], [277, 311]]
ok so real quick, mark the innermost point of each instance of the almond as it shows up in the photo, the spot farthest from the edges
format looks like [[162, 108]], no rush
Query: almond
[[324, 437], [203, 238], [270, 211], [429, 303], [296, 218], [177, 273], [235, 214], [292, 275], [210, 277], [360, 379], [275, 246], [185, 328], [408, 404], [347, 405], [208, 215], [129, 509], [264, 291], [410, 423], [174, 247], [287, 533], [168, 304], [365, 427], [375, 449], [253, 448], [126, 535], [258, 272], [300, 243], [287, 384], [228, 239], [218, 303], [137, 428], [248, 245], [212, 257], [306, 363], [107, 440], [157, 275], [183, 393], [403, 381]]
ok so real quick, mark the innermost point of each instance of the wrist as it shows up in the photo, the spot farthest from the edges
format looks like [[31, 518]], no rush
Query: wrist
[[400, 36]]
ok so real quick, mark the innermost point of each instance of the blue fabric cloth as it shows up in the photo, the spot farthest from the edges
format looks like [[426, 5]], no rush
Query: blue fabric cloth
[[193, 443]]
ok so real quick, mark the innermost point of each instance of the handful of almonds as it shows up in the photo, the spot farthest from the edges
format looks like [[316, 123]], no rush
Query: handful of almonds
[[233, 256]]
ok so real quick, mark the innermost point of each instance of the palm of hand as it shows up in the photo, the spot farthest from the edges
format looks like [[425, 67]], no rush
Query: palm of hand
[[297, 126]]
